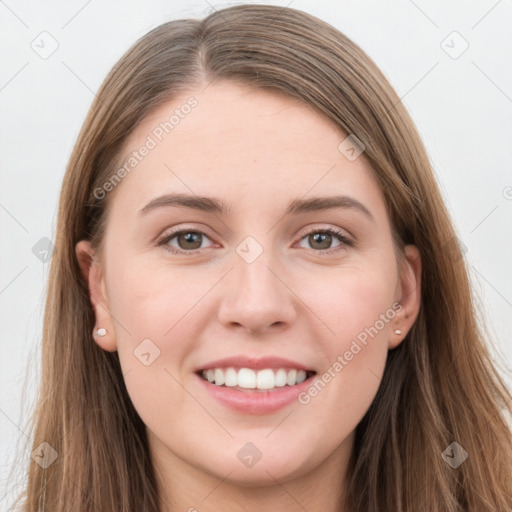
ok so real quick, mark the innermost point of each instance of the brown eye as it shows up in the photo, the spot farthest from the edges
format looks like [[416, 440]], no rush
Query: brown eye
[[187, 241], [321, 239]]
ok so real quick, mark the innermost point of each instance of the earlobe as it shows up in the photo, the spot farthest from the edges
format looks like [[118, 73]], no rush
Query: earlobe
[[104, 333], [105, 339], [409, 295]]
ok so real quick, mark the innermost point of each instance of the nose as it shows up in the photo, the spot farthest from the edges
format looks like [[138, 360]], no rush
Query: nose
[[256, 296]]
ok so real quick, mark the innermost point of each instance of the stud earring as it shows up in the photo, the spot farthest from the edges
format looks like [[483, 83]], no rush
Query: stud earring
[[101, 332], [398, 331]]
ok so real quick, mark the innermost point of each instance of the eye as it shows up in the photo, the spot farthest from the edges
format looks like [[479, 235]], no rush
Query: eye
[[188, 240], [323, 238]]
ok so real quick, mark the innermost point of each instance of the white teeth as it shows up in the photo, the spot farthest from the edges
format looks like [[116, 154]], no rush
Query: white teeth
[[246, 378], [291, 378], [265, 379], [219, 377], [230, 376], [280, 378], [251, 379]]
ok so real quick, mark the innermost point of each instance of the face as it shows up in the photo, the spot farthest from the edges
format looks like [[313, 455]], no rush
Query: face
[[181, 287]]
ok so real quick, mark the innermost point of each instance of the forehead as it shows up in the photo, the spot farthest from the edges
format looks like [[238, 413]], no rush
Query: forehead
[[241, 143]]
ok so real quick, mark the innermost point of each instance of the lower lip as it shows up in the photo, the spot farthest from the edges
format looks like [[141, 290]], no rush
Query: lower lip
[[256, 402]]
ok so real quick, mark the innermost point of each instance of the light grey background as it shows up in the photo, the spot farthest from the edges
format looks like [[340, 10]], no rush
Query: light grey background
[[461, 103]]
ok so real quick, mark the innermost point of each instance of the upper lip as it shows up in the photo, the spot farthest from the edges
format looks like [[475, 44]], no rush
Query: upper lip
[[256, 363]]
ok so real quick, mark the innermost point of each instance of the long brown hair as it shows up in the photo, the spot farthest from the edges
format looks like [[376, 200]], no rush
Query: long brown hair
[[441, 384]]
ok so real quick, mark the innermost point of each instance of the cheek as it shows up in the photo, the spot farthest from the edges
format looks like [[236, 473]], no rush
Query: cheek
[[353, 302], [153, 306], [356, 313], [153, 310], [154, 301]]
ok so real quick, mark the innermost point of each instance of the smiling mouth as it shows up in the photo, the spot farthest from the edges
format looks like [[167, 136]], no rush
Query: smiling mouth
[[247, 379]]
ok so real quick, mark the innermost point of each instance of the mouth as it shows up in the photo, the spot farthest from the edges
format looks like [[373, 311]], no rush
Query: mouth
[[249, 380]]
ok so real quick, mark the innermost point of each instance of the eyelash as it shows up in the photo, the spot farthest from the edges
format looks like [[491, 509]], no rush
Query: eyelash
[[331, 231]]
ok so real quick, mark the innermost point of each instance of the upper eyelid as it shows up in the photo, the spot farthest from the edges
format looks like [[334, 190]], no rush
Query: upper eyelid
[[174, 232]]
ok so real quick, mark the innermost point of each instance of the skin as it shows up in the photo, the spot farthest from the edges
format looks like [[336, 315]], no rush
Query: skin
[[257, 151]]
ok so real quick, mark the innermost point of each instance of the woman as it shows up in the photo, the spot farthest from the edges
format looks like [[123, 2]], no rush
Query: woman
[[254, 369]]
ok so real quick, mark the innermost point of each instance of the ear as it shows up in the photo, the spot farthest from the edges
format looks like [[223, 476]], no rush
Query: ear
[[408, 295], [91, 271]]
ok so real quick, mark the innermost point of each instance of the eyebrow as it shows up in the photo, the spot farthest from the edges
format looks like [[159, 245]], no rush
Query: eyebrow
[[297, 206]]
